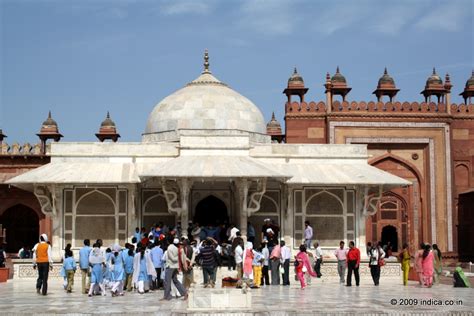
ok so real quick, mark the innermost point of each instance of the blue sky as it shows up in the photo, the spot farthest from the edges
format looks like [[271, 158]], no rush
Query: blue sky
[[80, 59]]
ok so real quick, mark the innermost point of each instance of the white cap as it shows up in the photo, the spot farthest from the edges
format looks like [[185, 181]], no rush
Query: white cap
[[176, 241], [269, 230]]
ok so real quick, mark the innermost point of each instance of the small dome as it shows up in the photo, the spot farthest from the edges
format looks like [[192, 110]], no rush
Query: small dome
[[338, 77], [295, 79], [273, 126], [107, 122], [49, 123], [434, 79], [386, 79], [470, 81]]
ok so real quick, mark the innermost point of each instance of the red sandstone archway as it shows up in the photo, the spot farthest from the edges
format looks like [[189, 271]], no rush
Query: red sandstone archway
[[22, 227], [406, 209]]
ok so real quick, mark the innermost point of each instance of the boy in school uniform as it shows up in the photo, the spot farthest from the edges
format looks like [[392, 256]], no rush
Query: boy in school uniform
[[69, 266]]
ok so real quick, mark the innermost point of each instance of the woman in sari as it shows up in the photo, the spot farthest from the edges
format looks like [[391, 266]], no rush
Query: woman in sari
[[247, 261], [405, 261], [419, 263], [303, 266], [428, 267], [438, 263]]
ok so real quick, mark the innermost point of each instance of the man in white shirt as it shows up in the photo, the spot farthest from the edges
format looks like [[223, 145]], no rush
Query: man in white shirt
[[285, 261], [319, 259], [238, 255], [341, 256], [308, 234]]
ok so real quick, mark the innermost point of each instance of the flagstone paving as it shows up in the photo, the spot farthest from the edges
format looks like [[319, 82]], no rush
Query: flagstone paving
[[323, 296]]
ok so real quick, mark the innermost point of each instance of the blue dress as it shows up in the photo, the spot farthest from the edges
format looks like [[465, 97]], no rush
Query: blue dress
[[118, 273], [143, 276], [97, 273], [107, 273]]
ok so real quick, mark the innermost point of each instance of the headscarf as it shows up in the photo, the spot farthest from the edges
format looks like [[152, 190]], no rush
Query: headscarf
[[248, 260], [96, 256], [116, 248], [45, 237], [233, 233]]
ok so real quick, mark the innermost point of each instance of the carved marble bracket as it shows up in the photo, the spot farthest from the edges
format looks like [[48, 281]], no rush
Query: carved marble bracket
[[176, 195], [47, 198], [256, 197], [371, 201]]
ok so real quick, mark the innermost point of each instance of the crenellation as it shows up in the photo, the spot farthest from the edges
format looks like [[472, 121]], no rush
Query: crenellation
[[20, 150]]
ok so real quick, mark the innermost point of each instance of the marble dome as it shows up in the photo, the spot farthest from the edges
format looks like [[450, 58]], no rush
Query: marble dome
[[203, 104]]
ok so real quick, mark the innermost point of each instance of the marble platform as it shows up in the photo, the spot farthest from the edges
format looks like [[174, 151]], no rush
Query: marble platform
[[322, 296]]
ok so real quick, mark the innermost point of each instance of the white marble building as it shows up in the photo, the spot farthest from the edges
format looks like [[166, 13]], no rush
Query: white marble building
[[205, 145]]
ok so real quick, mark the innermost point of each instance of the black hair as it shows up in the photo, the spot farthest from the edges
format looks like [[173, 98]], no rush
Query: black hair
[[130, 250], [96, 245], [68, 253], [435, 247], [134, 240], [426, 251], [303, 248], [142, 253], [87, 242], [405, 245], [108, 250]]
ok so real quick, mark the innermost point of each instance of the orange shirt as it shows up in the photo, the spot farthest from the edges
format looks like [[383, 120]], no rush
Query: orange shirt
[[42, 252]]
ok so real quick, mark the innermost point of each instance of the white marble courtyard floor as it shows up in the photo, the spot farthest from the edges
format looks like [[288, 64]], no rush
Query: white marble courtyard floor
[[323, 296]]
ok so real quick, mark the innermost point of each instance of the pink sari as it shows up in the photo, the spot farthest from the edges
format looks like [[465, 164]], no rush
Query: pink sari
[[248, 269], [303, 260], [428, 269]]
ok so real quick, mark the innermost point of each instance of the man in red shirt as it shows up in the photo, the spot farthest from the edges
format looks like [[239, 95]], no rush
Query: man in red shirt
[[353, 262]]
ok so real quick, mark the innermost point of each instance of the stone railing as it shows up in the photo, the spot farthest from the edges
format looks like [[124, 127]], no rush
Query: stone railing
[[20, 150]]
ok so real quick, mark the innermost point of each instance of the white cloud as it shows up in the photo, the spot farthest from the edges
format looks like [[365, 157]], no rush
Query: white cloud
[[447, 17], [172, 7]]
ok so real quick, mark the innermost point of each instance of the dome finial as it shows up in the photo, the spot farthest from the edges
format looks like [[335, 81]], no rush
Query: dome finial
[[273, 116], [295, 71], [337, 69], [385, 72], [206, 62], [49, 114], [108, 114], [434, 71]]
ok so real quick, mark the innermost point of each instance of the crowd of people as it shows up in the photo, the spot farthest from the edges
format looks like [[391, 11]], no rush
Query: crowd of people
[[164, 258]]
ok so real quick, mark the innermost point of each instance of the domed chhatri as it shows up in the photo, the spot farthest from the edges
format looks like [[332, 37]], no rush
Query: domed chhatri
[[386, 86], [434, 86], [434, 79], [468, 92], [337, 85], [204, 104], [273, 126], [107, 130], [338, 77], [295, 86], [49, 130], [386, 80], [295, 81]]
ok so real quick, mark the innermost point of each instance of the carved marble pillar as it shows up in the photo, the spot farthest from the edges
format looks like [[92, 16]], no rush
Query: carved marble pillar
[[50, 199], [243, 190], [367, 201], [185, 188]]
